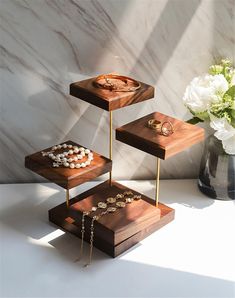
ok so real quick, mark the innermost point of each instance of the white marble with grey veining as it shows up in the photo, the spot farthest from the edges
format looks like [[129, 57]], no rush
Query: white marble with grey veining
[[47, 44]]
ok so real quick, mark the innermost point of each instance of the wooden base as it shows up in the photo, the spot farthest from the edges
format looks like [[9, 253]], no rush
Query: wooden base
[[114, 235]]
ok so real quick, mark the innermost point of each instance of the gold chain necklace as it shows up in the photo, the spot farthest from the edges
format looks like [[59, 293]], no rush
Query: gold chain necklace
[[100, 205], [118, 204], [127, 196]]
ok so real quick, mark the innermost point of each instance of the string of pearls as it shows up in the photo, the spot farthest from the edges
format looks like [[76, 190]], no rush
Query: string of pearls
[[70, 158]]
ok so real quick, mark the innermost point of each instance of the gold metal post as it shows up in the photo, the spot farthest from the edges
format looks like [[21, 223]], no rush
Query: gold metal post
[[67, 198], [110, 142], [157, 181]]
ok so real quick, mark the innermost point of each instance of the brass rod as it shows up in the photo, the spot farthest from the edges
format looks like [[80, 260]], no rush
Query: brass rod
[[110, 142], [157, 181], [67, 198]]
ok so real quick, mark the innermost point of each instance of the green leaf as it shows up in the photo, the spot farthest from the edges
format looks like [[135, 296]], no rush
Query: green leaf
[[233, 123], [231, 92], [233, 114], [194, 120], [202, 115]]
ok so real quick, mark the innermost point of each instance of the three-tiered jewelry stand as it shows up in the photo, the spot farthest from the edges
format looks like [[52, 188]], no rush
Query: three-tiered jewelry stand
[[117, 232]]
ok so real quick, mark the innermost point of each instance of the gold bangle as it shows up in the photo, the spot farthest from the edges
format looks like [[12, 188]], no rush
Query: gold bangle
[[108, 85]]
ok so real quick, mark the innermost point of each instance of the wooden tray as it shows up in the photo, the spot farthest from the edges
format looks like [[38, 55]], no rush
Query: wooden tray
[[109, 100], [137, 134], [66, 177]]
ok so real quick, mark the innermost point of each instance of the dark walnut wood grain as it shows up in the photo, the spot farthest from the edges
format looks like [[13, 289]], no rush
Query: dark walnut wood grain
[[117, 232], [118, 226], [66, 177], [109, 100], [137, 134]]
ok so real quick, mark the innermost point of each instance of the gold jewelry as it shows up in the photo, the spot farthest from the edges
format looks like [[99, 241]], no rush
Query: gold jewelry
[[128, 193], [85, 213], [137, 197], [166, 128], [154, 124], [110, 83], [111, 200], [100, 205], [94, 218], [129, 200], [111, 209], [119, 196], [119, 204], [91, 240], [82, 239]]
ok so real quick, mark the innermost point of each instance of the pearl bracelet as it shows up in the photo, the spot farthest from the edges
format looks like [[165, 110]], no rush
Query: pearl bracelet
[[64, 158]]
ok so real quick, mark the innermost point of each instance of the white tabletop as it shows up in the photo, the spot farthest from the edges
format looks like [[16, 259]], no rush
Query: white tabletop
[[193, 256]]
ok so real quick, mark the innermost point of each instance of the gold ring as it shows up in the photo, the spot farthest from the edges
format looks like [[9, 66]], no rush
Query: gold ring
[[167, 128], [154, 124]]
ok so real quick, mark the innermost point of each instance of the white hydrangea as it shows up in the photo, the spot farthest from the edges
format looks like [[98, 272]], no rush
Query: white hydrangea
[[224, 132], [204, 90]]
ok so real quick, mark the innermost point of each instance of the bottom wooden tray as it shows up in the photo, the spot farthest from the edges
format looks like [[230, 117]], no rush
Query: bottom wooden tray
[[115, 233]]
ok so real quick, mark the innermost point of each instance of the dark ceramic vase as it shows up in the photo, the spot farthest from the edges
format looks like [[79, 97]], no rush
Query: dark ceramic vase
[[217, 171]]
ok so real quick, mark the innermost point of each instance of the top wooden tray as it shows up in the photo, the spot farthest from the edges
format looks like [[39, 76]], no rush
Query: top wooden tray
[[137, 134], [66, 177], [109, 100]]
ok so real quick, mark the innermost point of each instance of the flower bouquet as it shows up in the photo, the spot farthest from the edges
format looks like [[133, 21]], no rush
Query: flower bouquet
[[211, 98]]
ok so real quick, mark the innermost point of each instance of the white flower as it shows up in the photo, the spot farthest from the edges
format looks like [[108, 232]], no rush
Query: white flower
[[204, 90], [224, 132]]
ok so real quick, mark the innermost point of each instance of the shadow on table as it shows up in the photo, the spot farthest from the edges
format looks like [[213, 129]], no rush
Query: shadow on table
[[188, 195], [139, 280], [29, 216], [68, 246], [108, 277]]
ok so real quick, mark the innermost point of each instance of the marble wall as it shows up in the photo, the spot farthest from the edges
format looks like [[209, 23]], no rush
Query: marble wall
[[47, 44]]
